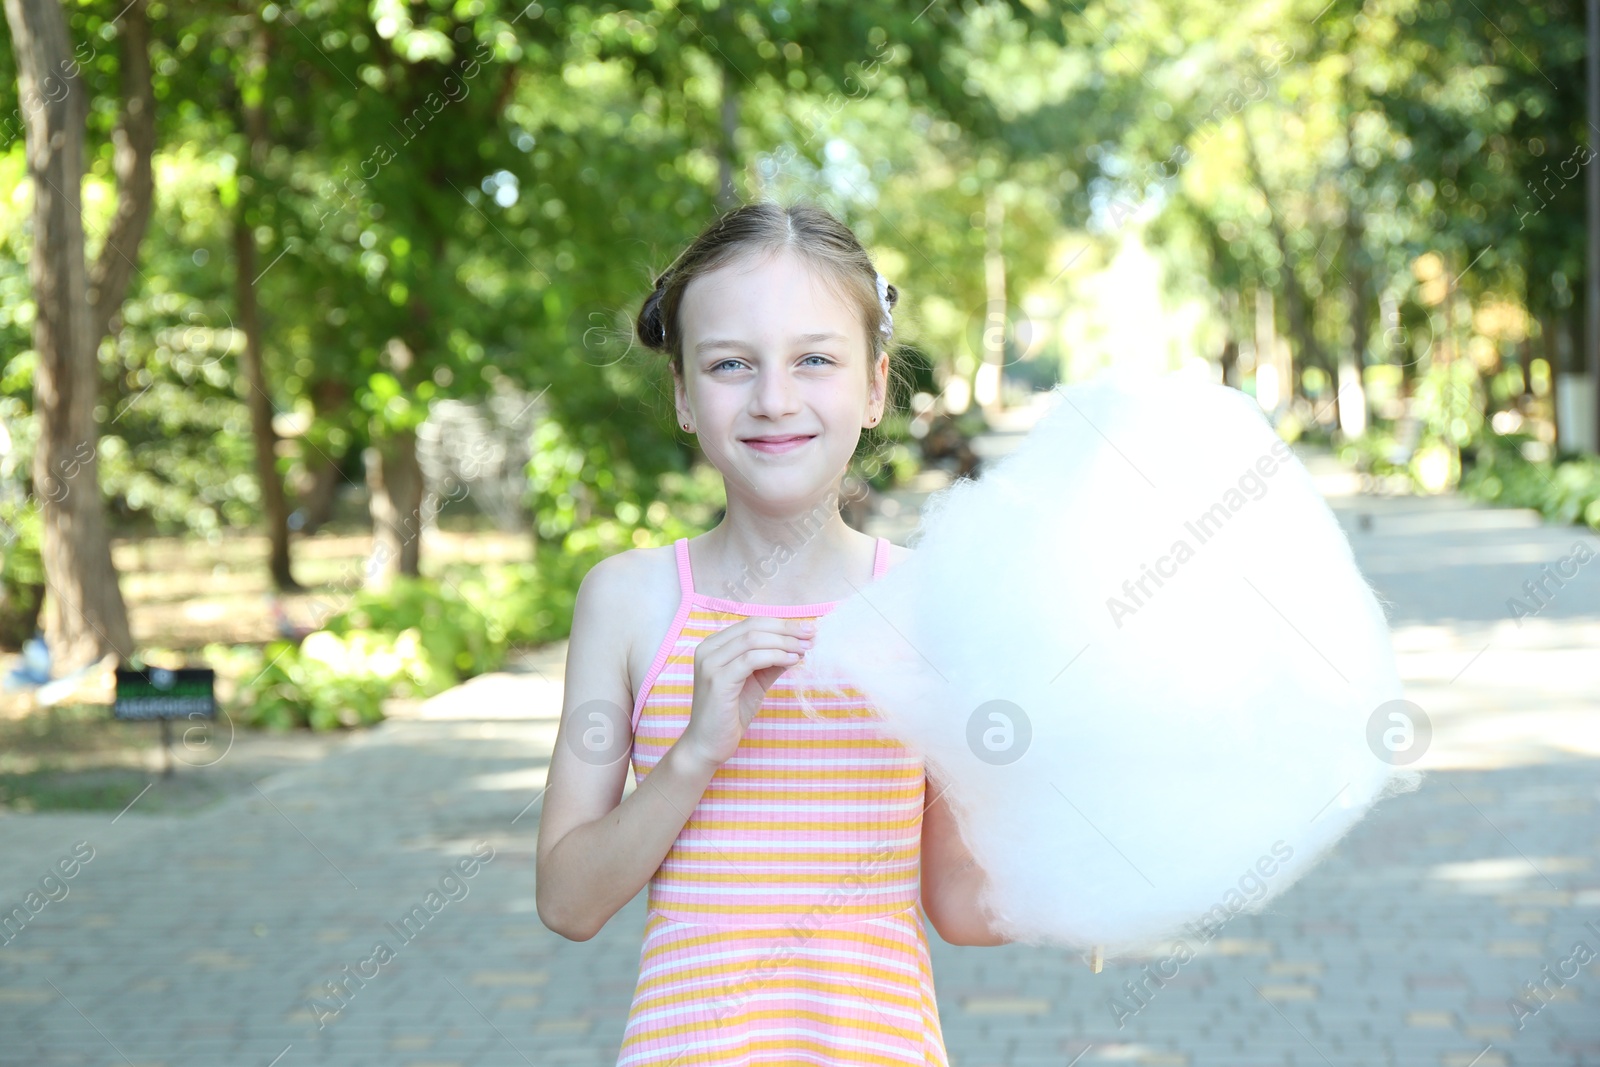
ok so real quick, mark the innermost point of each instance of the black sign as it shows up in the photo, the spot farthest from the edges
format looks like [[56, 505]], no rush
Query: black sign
[[159, 693]]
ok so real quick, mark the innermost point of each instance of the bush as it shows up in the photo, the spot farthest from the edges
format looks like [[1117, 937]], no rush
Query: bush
[[422, 636], [1500, 473], [328, 681], [21, 573], [456, 638], [419, 637], [1494, 468]]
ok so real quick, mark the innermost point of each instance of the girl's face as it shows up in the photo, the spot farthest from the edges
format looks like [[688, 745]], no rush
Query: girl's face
[[775, 379]]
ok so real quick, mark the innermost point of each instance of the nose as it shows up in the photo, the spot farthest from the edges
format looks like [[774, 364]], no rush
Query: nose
[[775, 394]]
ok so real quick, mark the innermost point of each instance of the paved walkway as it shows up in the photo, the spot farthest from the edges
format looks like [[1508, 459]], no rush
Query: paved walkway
[[206, 939]]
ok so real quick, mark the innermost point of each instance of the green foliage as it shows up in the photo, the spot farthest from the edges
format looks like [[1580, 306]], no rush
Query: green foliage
[[445, 196], [422, 636], [1495, 468], [415, 639], [530, 603], [21, 572], [1500, 473], [887, 454], [581, 487], [454, 639], [1377, 452], [21, 528], [328, 681]]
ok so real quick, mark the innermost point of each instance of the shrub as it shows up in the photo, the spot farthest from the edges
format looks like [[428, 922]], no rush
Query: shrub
[[456, 638], [1566, 491], [327, 682], [21, 573]]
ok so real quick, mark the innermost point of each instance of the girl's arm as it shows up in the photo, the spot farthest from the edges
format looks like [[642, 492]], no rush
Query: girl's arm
[[594, 854], [951, 877]]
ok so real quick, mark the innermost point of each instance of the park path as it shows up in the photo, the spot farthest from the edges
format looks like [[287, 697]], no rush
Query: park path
[[202, 939]]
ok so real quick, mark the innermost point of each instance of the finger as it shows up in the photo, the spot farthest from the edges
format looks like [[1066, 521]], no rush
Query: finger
[[775, 624], [753, 660], [724, 652]]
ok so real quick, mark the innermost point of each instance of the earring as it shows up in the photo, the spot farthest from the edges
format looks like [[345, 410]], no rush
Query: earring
[[686, 426]]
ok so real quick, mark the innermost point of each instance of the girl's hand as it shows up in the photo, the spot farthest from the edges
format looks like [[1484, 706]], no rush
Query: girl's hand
[[732, 672]]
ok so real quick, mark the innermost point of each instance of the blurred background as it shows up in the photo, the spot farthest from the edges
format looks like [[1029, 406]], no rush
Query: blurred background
[[316, 371]]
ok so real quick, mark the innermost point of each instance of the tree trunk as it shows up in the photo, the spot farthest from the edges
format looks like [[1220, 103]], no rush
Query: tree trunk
[[1591, 282], [988, 386], [318, 492], [1271, 355], [85, 616], [1525, 361], [324, 473], [1351, 378], [1296, 303], [133, 144], [395, 481], [1229, 358], [274, 504], [252, 364]]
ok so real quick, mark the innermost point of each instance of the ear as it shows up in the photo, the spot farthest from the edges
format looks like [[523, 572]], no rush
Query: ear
[[680, 398], [878, 398]]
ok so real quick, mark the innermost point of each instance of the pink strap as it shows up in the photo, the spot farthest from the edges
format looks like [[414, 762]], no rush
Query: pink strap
[[669, 642], [880, 558], [685, 578]]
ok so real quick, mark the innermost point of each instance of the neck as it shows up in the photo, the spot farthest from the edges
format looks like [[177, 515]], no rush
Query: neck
[[758, 557]]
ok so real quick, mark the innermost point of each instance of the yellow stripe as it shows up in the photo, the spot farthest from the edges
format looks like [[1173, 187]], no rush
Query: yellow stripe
[[797, 1044], [854, 700], [725, 937], [866, 911], [825, 744], [730, 793], [658, 988], [914, 848], [786, 774], [872, 877], [850, 974]]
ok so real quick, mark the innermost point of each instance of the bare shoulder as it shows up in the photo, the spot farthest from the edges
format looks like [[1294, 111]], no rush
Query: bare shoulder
[[636, 593], [898, 554], [632, 575]]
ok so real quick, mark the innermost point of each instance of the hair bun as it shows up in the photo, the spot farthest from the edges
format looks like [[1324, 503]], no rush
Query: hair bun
[[652, 331]]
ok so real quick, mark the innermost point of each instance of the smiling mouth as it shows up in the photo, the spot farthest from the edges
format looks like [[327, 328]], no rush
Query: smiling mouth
[[773, 445]]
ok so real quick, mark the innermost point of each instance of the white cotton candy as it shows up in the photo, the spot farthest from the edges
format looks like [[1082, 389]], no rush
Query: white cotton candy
[[1196, 744]]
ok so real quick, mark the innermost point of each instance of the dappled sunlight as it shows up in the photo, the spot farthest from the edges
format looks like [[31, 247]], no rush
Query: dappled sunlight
[[524, 781], [1508, 873]]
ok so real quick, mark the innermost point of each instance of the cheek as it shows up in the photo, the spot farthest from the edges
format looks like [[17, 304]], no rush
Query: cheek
[[719, 404]]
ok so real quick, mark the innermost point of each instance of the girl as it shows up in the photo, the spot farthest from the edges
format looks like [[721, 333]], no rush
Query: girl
[[791, 861]]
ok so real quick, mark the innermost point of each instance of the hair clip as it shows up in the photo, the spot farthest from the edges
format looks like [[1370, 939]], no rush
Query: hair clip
[[887, 328]]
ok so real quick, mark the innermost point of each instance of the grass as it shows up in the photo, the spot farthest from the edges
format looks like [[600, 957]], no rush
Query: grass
[[106, 789], [77, 758], [184, 593]]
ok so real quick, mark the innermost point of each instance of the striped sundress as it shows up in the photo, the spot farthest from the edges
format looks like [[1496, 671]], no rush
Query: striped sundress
[[785, 925]]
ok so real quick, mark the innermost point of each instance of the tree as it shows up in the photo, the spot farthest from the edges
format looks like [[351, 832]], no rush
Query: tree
[[85, 617]]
